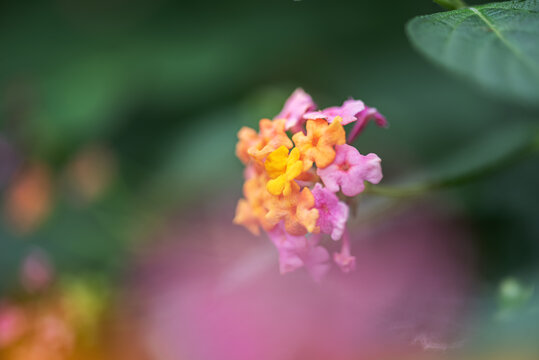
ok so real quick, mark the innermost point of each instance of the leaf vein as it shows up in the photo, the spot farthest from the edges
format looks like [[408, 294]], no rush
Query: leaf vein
[[504, 41]]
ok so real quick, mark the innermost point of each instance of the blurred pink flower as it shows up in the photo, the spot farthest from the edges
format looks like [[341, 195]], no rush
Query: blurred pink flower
[[333, 213], [295, 107], [36, 271], [12, 324], [350, 170], [208, 291]]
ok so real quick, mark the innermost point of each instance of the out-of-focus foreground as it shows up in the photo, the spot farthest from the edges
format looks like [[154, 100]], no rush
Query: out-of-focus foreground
[[118, 185]]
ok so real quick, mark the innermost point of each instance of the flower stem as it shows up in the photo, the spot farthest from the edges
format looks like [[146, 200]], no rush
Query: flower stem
[[471, 175]]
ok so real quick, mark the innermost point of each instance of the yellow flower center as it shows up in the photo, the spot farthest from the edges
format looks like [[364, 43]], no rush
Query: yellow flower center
[[283, 168]]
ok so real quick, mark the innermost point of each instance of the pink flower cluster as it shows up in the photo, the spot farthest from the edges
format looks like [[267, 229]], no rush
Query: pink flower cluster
[[298, 190]]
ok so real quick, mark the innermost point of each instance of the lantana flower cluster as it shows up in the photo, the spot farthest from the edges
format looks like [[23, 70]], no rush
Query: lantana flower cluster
[[296, 187]]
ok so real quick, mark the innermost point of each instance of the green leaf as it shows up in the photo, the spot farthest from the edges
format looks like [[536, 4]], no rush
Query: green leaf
[[495, 45], [450, 4]]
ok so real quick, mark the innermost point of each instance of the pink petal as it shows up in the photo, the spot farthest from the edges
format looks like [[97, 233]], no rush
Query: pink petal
[[371, 168], [333, 213], [346, 262], [289, 262], [295, 107], [354, 183], [316, 263], [331, 176], [362, 120], [298, 251], [343, 259], [340, 223], [360, 169], [315, 115], [348, 111]]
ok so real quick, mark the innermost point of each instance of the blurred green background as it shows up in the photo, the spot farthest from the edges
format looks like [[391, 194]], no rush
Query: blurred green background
[[150, 94]]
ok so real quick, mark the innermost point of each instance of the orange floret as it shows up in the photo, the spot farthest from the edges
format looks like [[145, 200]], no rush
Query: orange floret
[[251, 211], [245, 216], [318, 145], [272, 135], [297, 210], [247, 138]]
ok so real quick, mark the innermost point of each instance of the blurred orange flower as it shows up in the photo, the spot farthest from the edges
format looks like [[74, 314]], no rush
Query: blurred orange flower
[[29, 198], [91, 171]]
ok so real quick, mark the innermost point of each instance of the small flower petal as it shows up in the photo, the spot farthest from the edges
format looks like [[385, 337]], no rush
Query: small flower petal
[[247, 138], [283, 168], [295, 107], [333, 213], [346, 262], [299, 251], [272, 135], [350, 170], [318, 144], [362, 120], [347, 112], [296, 210], [343, 259], [276, 162]]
